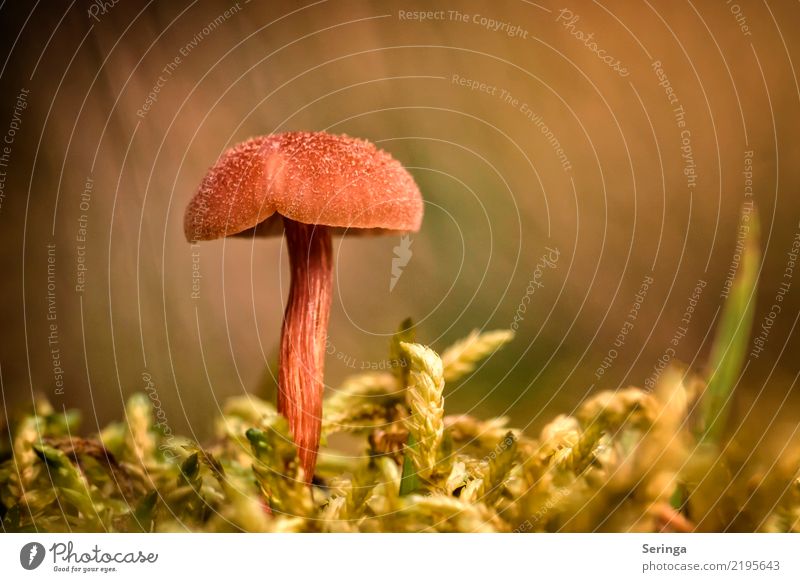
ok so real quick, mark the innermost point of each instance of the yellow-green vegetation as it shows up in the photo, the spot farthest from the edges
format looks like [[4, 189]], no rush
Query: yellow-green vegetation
[[625, 460]]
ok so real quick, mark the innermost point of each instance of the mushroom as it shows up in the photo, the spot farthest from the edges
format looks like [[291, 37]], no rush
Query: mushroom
[[313, 185]]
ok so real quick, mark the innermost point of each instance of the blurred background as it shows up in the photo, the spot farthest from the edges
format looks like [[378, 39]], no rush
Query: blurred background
[[583, 168]]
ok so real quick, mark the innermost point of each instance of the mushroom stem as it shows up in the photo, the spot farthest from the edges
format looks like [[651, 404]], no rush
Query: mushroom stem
[[305, 329]]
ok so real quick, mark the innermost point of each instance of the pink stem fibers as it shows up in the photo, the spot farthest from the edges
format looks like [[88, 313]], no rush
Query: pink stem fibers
[[305, 329]]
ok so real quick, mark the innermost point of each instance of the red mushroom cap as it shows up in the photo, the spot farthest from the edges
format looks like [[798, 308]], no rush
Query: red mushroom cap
[[315, 178]]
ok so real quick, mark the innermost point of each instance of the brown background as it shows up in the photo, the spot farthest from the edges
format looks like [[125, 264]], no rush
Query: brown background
[[496, 193]]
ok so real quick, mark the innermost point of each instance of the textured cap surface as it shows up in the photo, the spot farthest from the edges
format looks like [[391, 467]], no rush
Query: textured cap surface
[[315, 178]]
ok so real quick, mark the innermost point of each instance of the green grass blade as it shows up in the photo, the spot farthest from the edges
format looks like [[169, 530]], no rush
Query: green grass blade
[[409, 482], [732, 336]]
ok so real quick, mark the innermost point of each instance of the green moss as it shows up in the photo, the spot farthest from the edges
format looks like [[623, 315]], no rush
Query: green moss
[[618, 464]]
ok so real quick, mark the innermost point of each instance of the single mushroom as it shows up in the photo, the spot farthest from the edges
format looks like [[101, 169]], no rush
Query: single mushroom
[[313, 185]]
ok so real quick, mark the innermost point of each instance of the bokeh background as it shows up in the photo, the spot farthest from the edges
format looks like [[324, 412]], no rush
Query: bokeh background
[[520, 136]]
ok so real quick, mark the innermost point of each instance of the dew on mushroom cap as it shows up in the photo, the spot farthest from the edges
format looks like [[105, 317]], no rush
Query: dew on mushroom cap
[[315, 178]]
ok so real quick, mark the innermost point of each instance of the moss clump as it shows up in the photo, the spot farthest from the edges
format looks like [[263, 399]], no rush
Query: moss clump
[[628, 460]]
